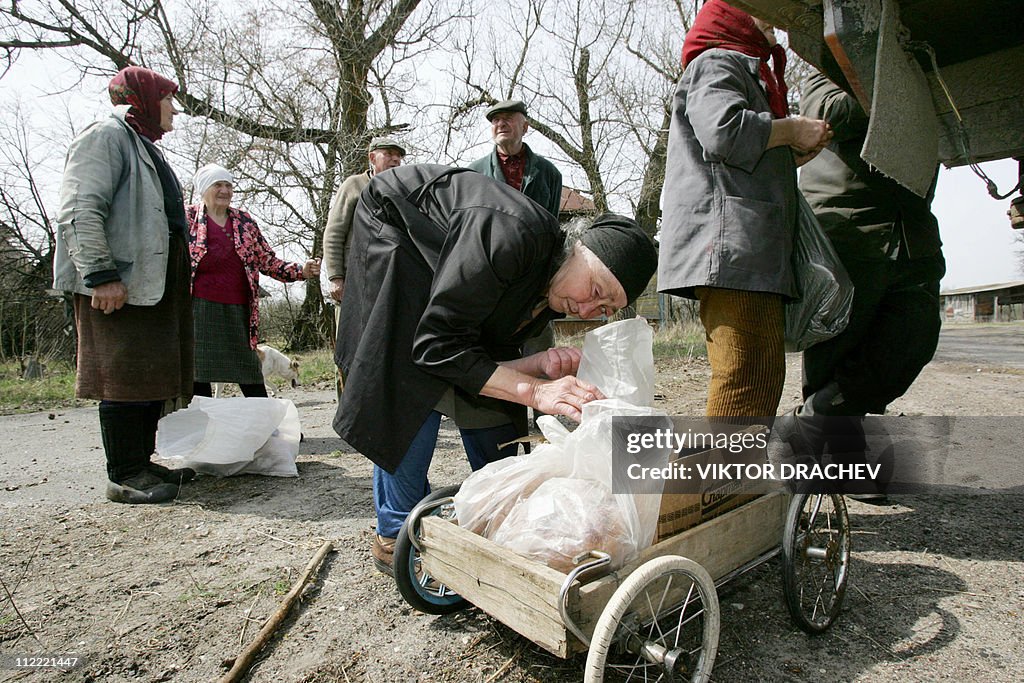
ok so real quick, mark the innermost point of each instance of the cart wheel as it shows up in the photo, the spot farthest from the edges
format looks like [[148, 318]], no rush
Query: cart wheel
[[661, 624], [815, 559], [418, 588]]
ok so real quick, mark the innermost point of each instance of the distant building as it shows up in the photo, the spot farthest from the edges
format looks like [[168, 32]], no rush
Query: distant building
[[574, 204], [1002, 302]]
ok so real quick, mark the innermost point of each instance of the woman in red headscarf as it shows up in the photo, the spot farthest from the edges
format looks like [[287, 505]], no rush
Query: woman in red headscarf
[[122, 256], [730, 202]]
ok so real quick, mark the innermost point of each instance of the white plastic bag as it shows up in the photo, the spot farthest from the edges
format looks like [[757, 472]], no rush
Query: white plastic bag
[[488, 495], [227, 436], [563, 519], [593, 459], [618, 358]]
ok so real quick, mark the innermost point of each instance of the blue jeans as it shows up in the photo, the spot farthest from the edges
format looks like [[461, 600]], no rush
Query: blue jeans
[[395, 495]]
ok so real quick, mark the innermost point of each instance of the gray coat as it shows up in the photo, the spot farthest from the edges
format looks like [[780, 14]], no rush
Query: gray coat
[[729, 205], [111, 213]]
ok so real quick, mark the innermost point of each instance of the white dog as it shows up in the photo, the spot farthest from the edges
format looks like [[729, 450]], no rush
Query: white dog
[[273, 363], [276, 363]]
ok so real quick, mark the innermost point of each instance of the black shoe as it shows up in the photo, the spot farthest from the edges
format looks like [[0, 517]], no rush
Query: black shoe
[[140, 489], [171, 476]]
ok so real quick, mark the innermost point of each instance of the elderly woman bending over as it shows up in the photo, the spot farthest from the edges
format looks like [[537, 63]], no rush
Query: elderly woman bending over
[[449, 273], [228, 253]]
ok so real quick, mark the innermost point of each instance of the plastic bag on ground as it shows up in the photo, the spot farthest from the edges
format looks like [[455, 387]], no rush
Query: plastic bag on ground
[[228, 436], [618, 358]]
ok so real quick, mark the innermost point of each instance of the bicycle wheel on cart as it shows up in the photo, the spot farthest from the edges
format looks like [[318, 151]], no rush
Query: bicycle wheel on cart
[[661, 624], [815, 559], [419, 589]]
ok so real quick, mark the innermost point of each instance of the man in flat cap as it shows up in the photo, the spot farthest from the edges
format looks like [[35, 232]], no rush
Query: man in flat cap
[[514, 163], [384, 153]]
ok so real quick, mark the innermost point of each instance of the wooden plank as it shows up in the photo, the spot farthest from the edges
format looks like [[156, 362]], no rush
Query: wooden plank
[[520, 593], [720, 545]]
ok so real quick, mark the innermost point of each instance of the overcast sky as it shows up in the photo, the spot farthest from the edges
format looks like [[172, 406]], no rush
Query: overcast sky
[[979, 244]]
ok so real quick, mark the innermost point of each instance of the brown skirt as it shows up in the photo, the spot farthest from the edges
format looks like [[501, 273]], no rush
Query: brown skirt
[[139, 353]]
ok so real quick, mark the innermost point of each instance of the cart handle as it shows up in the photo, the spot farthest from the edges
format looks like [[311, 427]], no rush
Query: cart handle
[[413, 529], [599, 559]]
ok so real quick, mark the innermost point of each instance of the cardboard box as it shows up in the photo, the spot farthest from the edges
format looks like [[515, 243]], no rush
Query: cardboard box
[[682, 511]]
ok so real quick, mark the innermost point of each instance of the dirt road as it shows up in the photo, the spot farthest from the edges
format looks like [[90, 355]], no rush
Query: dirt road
[[168, 593]]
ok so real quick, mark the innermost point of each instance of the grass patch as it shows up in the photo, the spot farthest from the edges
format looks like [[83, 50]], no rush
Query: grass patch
[[678, 340], [316, 366], [685, 340], [55, 389]]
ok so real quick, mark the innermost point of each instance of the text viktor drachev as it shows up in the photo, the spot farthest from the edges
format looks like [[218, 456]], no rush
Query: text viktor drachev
[[789, 472]]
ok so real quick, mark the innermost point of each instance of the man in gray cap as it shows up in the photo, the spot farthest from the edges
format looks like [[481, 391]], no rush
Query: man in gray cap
[[384, 153], [514, 163]]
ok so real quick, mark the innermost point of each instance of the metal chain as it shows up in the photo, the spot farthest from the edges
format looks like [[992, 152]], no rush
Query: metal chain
[[965, 143]]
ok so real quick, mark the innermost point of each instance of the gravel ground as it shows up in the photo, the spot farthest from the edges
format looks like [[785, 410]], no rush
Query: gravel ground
[[171, 592]]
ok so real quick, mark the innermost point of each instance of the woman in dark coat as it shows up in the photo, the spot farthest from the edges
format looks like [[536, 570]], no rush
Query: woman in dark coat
[[121, 252], [730, 202], [449, 272]]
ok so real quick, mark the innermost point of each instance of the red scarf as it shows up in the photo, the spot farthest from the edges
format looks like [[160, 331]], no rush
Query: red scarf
[[142, 89], [724, 26]]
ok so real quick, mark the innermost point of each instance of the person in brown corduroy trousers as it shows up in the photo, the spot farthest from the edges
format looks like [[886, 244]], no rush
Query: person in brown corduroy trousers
[[730, 203]]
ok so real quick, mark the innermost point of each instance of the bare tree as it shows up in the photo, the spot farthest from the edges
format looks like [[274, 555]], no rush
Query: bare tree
[[31, 323], [598, 78], [285, 92]]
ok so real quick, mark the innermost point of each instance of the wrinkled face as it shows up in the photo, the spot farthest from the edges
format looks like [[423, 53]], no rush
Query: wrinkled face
[[385, 158], [508, 128], [585, 288], [167, 112], [218, 195], [767, 29]]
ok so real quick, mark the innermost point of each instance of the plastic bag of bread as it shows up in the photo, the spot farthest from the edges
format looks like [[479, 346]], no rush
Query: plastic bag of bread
[[566, 517], [487, 495]]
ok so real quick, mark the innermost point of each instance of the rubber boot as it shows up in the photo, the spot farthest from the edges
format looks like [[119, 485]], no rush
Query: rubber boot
[[826, 428], [125, 440]]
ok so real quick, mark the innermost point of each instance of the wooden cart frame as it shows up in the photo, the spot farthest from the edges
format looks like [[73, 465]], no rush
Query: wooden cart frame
[[658, 616]]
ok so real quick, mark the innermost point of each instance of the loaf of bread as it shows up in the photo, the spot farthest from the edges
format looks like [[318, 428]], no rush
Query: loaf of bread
[[563, 518], [490, 493]]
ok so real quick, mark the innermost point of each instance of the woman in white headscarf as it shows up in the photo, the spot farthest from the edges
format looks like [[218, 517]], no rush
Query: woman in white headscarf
[[228, 253]]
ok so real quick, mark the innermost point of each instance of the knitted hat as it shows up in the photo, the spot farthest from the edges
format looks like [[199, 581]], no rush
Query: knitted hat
[[208, 175], [626, 249]]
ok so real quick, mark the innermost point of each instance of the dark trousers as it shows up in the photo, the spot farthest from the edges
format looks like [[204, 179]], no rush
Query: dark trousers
[[129, 435], [892, 334], [248, 390]]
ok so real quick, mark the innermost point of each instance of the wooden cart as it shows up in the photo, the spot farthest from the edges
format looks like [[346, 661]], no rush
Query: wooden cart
[[657, 618]]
